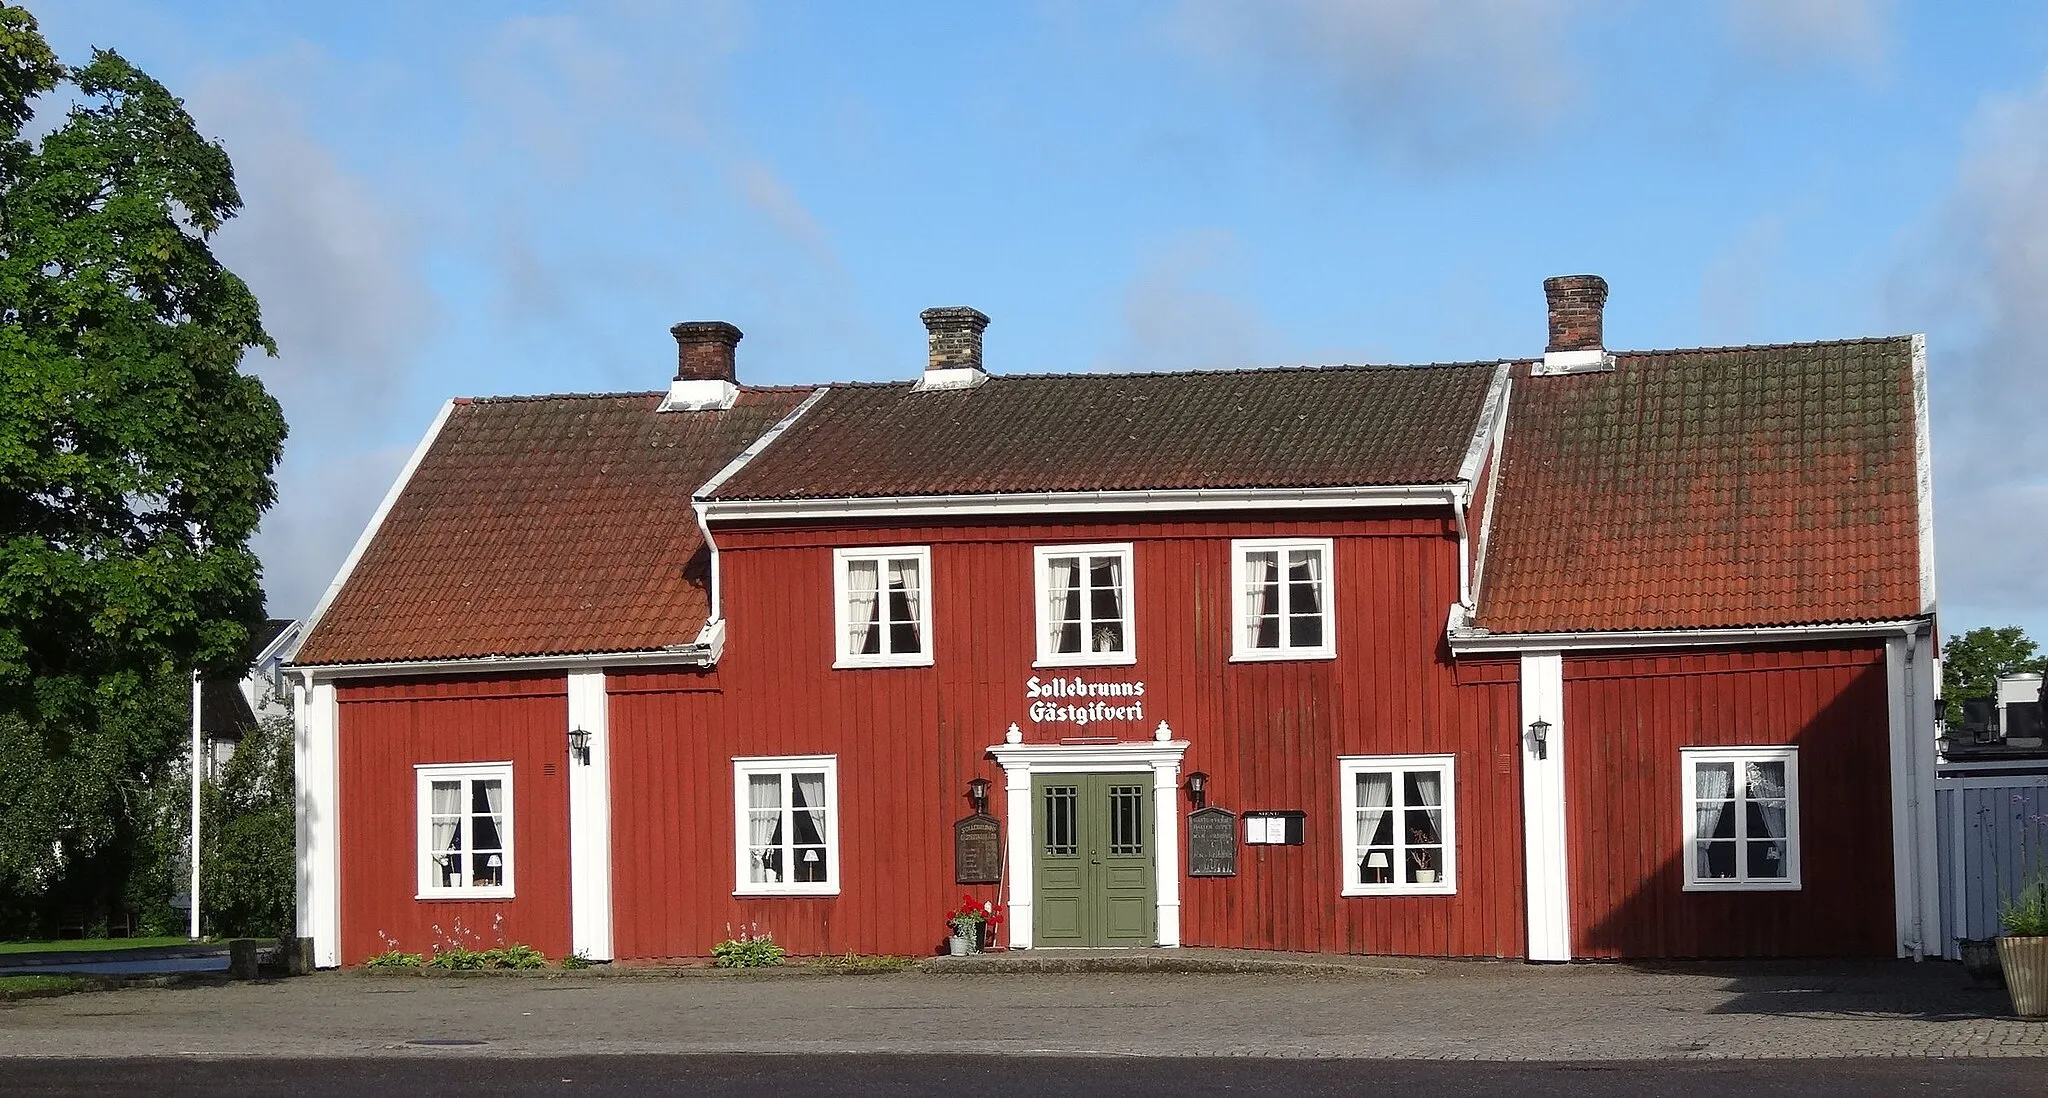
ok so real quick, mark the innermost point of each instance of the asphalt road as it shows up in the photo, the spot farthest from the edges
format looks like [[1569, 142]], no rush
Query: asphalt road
[[457, 1072]]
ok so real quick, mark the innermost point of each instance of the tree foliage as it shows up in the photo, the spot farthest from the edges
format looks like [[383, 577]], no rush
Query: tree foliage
[[1972, 662], [135, 455], [248, 871]]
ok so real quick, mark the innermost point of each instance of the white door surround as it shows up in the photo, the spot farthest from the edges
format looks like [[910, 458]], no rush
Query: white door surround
[[1546, 871], [1020, 761]]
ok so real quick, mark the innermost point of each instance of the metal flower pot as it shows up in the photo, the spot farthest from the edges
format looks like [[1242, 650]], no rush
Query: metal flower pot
[[2025, 961], [956, 946]]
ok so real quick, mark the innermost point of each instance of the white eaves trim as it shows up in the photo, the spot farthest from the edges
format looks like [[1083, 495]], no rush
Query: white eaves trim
[[1026, 503], [1923, 463], [701, 652], [369, 534], [1466, 640], [1483, 432]]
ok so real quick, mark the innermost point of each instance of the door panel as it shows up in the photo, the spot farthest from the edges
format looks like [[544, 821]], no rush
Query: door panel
[[1094, 869]]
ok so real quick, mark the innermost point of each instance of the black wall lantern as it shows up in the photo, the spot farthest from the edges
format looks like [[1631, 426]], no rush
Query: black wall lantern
[[1539, 737], [1198, 789], [977, 792], [579, 745]]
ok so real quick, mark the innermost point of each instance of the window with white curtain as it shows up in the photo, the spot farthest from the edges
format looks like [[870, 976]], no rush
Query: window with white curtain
[[1084, 605], [786, 817], [465, 830], [1398, 825], [1281, 607], [884, 615], [1741, 818]]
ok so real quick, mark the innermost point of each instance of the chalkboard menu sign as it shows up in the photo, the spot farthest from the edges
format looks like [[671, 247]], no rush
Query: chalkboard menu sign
[[1212, 843], [977, 850]]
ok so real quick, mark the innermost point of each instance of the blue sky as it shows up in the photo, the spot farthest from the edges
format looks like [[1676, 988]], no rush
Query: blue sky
[[471, 199]]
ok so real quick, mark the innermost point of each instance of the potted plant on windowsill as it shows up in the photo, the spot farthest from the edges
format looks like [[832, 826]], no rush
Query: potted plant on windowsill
[[2023, 948]]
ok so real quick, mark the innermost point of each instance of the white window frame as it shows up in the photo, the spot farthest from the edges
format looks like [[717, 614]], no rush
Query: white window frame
[[1241, 649], [842, 560], [425, 775], [744, 767], [1689, 760], [1041, 593], [1348, 769]]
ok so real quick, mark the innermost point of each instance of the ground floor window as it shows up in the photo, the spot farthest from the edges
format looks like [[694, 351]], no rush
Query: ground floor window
[[787, 825], [465, 830], [1398, 826], [1741, 818]]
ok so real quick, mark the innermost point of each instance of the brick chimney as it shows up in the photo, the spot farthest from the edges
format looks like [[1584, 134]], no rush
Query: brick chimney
[[954, 332], [706, 375], [1578, 305]]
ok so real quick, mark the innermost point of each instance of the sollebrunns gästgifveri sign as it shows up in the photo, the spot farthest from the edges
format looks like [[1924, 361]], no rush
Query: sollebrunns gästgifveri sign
[[1074, 700]]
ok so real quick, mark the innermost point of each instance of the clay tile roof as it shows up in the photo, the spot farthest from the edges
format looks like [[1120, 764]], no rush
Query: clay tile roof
[[543, 526], [1295, 427], [1734, 487]]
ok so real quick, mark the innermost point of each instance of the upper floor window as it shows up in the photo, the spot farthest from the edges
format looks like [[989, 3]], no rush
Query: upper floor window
[[1084, 605], [1399, 824], [1741, 818], [884, 614], [1282, 608], [465, 830], [787, 825]]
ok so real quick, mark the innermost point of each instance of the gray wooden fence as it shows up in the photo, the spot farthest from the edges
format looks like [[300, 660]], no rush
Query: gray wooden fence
[[1993, 833]]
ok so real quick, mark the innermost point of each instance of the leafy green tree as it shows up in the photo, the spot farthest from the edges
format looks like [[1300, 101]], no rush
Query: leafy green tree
[[248, 871], [135, 455], [1972, 662]]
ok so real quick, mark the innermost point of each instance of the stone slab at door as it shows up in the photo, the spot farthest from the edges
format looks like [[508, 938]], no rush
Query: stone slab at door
[[1092, 850]]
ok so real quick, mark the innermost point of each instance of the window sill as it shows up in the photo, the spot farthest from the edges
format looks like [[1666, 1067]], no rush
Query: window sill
[[1283, 655], [1092, 659], [786, 891], [1742, 886], [1439, 889], [465, 894], [847, 663]]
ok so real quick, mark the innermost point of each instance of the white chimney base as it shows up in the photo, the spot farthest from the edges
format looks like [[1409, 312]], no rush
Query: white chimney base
[[1592, 360], [699, 395]]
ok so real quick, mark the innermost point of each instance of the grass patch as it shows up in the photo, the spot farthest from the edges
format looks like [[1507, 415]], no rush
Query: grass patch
[[91, 945], [852, 962], [40, 983]]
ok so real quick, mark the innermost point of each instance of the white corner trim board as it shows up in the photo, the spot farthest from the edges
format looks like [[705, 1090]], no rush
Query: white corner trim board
[[1547, 871], [1923, 469], [1916, 874], [590, 819], [317, 763], [1020, 761]]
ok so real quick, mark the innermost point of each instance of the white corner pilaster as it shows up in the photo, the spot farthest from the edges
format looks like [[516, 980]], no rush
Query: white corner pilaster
[[316, 758], [1017, 845], [590, 825], [1916, 891], [1166, 848], [1546, 872]]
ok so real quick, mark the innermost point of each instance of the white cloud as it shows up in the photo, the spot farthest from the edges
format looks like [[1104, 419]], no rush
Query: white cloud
[[1791, 31], [1427, 83], [335, 268], [1172, 322], [1975, 276]]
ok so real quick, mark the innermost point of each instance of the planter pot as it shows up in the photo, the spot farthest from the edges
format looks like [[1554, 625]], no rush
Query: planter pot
[[1980, 960], [2025, 961], [956, 946]]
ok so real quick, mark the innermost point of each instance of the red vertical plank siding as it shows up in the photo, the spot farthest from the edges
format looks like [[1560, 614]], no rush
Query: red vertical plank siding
[[387, 728], [908, 740], [1629, 718]]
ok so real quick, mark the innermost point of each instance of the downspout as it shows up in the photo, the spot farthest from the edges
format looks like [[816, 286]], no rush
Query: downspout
[[717, 588], [1458, 509]]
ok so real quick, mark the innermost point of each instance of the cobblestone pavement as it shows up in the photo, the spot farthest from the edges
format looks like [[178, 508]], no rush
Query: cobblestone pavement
[[1390, 1009]]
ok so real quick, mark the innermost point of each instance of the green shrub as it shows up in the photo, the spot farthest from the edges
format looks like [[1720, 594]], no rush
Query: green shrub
[[457, 958], [2025, 915], [749, 950], [395, 958], [575, 961], [516, 955]]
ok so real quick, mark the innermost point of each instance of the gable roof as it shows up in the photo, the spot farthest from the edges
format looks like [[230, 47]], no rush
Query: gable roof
[[539, 526], [1712, 488], [1290, 427]]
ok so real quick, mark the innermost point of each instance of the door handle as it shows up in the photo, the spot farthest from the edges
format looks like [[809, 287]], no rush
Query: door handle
[[1095, 857]]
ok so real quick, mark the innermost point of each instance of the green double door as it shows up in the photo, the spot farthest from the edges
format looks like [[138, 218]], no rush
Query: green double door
[[1092, 860]]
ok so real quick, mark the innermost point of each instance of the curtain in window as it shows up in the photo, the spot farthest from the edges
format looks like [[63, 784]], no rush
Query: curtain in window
[[1766, 794], [487, 845], [1375, 796], [1106, 603], [863, 621], [1262, 599], [1429, 785], [447, 820], [808, 798], [1305, 598], [1714, 785], [764, 827], [903, 600], [1063, 612]]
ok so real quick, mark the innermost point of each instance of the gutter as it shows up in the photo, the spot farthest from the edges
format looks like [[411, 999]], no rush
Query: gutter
[[702, 652], [1013, 503], [1466, 639]]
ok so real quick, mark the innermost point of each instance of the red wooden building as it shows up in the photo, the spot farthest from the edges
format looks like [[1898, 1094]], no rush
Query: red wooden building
[[1592, 654]]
